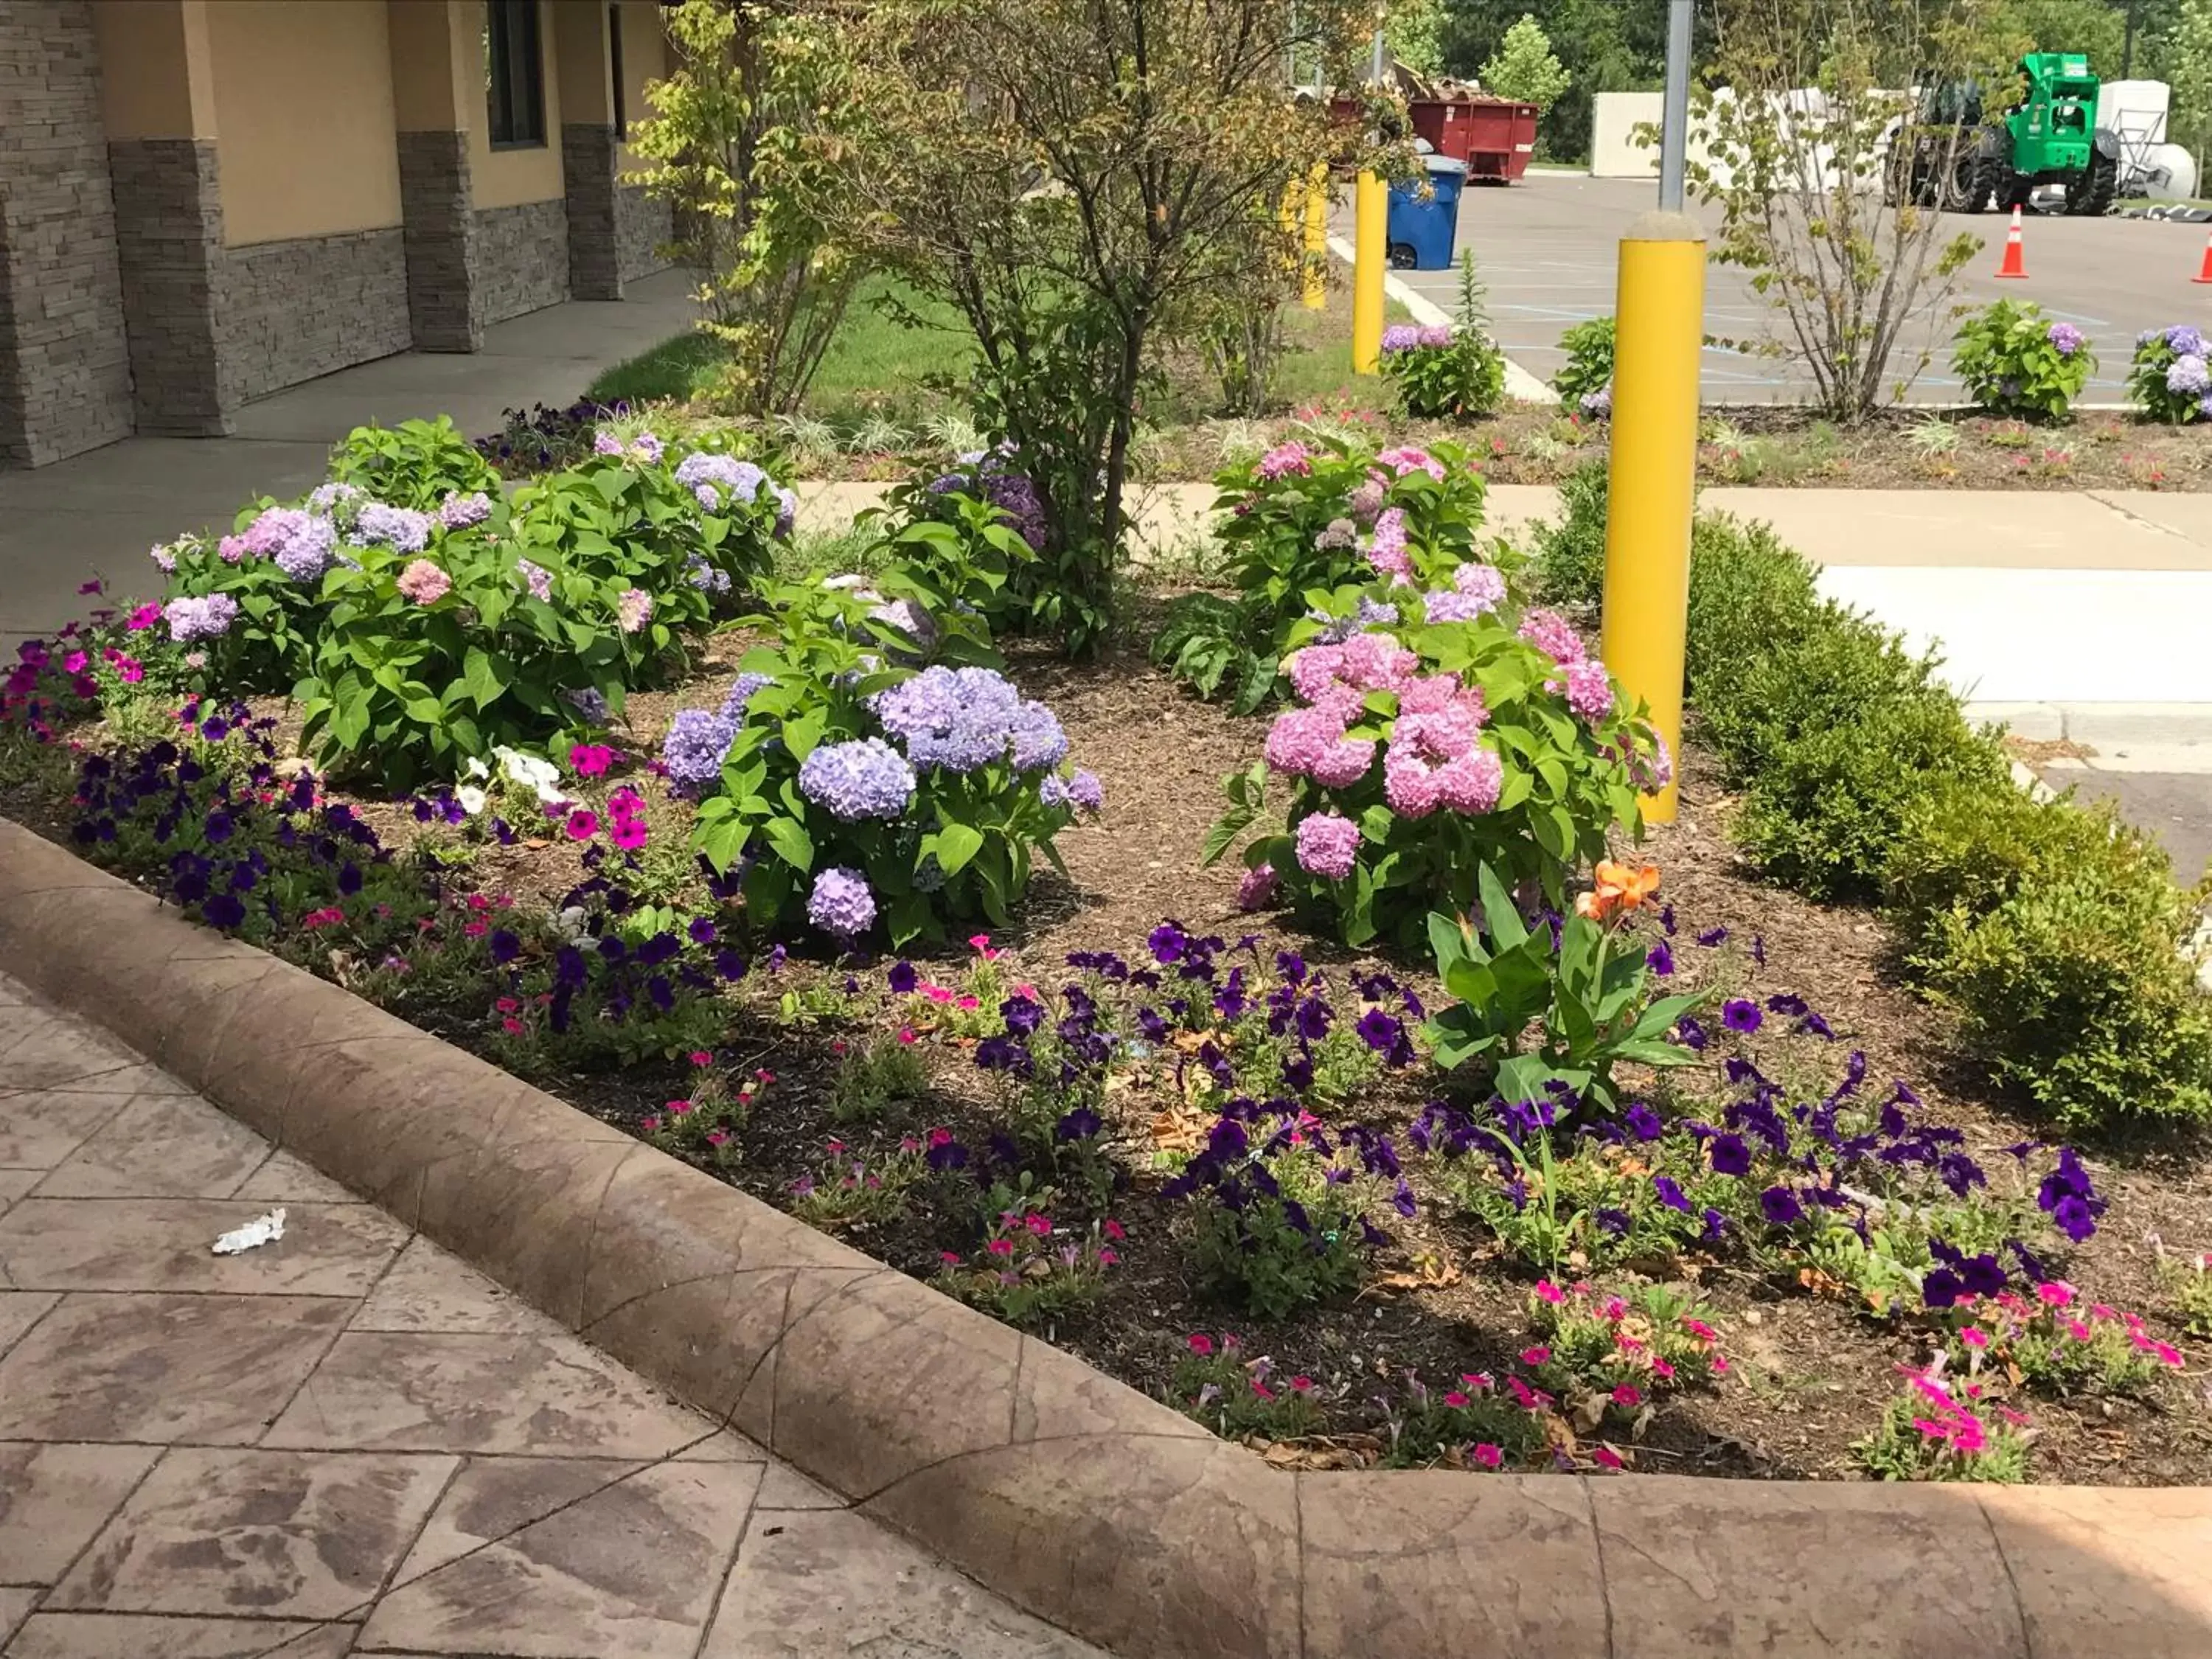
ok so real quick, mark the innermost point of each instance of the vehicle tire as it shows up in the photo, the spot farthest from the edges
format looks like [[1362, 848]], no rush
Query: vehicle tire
[[1991, 175], [1962, 189], [2104, 183]]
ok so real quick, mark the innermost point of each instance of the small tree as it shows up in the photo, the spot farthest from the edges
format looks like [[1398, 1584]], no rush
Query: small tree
[[1830, 170], [1089, 182], [746, 142], [1413, 30], [2190, 50], [1524, 68]]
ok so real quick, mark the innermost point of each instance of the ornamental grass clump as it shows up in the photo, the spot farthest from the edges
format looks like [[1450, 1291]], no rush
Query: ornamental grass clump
[[2014, 361], [2169, 377], [836, 787], [1459, 735], [1322, 514]]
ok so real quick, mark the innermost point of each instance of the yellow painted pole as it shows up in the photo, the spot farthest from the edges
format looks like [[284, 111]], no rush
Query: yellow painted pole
[[1316, 288], [1371, 210], [1660, 325]]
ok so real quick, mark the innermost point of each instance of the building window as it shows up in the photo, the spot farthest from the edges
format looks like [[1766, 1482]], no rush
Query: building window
[[514, 73], [615, 64]]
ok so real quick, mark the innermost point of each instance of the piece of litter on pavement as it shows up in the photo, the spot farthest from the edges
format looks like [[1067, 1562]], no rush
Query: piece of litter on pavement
[[262, 1229]]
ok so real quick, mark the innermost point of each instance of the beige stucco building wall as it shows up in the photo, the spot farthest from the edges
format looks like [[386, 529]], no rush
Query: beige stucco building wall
[[303, 115], [504, 177], [644, 53]]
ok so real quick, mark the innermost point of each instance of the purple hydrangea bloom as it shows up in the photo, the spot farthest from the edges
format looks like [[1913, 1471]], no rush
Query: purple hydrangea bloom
[[300, 543], [1037, 739], [865, 779], [842, 903], [605, 443], [333, 500], [400, 528], [1598, 405], [1086, 791], [1444, 604], [648, 448], [787, 513], [1052, 790], [706, 577], [458, 512], [539, 578], [1436, 334], [1369, 613], [1400, 336], [2188, 376], [716, 480], [697, 740], [961, 718], [741, 693], [586, 699], [207, 618], [2064, 336], [2185, 340]]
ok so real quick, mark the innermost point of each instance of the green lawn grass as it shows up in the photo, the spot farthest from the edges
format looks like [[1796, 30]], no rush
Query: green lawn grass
[[882, 365]]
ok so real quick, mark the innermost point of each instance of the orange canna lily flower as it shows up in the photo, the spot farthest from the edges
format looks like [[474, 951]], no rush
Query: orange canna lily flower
[[1619, 889]]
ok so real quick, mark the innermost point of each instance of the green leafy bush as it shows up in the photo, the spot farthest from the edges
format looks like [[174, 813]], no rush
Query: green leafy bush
[[844, 790], [1442, 372], [976, 531], [1569, 565], [416, 464], [2058, 934], [1589, 368], [1455, 736], [2015, 363], [1315, 516], [2168, 376]]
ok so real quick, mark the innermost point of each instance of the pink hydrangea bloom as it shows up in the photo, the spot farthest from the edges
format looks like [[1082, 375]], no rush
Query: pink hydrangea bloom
[[423, 582], [1311, 743], [1483, 583], [1258, 887], [634, 609], [1284, 459], [1375, 662], [231, 549], [1590, 689], [1471, 783], [1549, 632], [1328, 845], [1407, 459], [1313, 670], [1387, 554]]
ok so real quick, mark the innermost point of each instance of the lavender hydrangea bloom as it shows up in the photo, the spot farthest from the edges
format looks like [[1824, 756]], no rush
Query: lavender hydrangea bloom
[[300, 542], [1400, 336], [539, 578], [2185, 340], [400, 528], [842, 903], [1598, 405], [2189, 377], [787, 513], [1367, 613], [1052, 791], [605, 443], [334, 500], [697, 740], [864, 779], [961, 718], [589, 702], [704, 576], [458, 512], [741, 693], [1085, 790], [648, 448], [715, 480], [2064, 336], [1037, 739], [165, 559], [207, 618], [1436, 334], [1445, 606]]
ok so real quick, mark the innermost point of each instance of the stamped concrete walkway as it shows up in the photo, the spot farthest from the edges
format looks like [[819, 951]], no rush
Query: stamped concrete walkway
[[349, 1443]]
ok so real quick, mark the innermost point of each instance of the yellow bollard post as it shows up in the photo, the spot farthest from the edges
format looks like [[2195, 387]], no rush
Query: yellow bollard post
[[1652, 483], [1370, 237], [1316, 287]]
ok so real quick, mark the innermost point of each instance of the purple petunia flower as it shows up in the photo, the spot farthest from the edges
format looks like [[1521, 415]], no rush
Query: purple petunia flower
[[1780, 1206], [1731, 1155], [1742, 1016]]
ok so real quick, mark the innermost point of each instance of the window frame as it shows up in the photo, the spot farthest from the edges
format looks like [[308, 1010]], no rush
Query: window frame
[[514, 104]]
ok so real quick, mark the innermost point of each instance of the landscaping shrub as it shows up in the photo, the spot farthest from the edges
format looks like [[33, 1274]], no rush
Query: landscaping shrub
[[416, 464], [1584, 381], [2016, 363], [978, 529], [1568, 568], [2169, 376], [844, 790], [1441, 372], [1313, 516], [2059, 935], [1454, 736]]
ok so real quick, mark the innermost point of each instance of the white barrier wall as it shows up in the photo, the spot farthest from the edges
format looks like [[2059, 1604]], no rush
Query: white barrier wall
[[1615, 116]]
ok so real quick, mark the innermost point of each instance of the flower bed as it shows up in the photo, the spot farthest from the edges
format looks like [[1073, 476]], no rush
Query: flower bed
[[1143, 1137]]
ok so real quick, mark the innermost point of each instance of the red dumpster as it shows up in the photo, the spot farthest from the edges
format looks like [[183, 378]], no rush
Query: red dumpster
[[1495, 136]]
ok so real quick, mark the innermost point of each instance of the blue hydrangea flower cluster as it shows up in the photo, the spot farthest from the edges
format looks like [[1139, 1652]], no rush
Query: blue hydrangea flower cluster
[[458, 512], [692, 752], [716, 480], [400, 528], [960, 719], [842, 903], [864, 779], [704, 576], [741, 694]]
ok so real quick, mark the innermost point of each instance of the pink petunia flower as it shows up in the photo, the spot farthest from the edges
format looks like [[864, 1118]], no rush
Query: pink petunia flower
[[1488, 1455], [1200, 1344], [1535, 1356], [583, 825]]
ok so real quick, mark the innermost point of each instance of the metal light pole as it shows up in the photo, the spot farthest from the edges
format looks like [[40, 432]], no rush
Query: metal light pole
[[1652, 472]]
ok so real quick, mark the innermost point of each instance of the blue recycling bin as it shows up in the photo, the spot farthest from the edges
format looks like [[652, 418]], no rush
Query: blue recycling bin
[[1421, 234]]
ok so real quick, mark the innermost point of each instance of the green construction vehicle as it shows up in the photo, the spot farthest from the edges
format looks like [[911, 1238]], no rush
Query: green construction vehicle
[[1953, 156]]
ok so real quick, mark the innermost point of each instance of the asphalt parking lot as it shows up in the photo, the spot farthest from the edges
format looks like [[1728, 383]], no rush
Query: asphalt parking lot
[[1545, 247]]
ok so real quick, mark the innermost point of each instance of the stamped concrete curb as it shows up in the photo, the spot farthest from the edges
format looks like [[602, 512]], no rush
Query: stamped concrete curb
[[1059, 1488]]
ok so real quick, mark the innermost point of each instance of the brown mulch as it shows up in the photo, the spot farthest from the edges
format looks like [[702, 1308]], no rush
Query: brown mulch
[[1810, 1375], [1768, 446]]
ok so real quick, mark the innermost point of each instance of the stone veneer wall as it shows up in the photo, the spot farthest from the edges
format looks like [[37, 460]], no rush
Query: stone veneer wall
[[168, 230], [64, 365], [292, 310], [521, 259], [587, 169], [440, 240], [641, 229]]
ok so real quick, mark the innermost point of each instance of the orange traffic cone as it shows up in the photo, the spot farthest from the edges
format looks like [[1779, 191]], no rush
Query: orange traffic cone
[[2205, 272], [2015, 255]]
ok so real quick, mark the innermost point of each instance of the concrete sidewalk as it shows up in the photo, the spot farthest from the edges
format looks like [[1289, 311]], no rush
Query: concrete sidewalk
[[97, 514], [347, 1441]]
